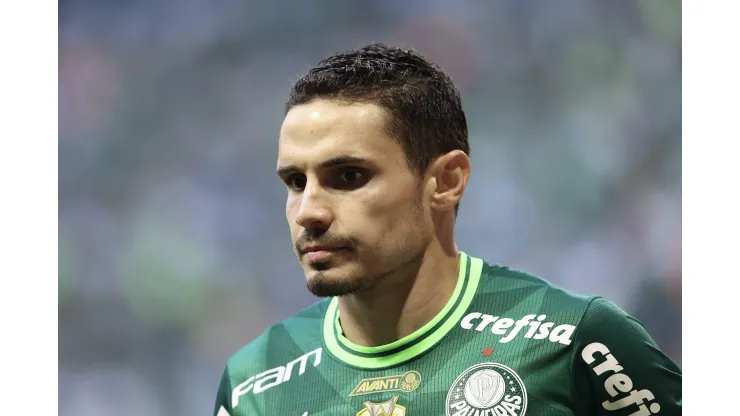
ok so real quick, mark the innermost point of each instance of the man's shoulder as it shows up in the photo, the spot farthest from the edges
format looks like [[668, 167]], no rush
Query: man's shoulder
[[499, 279], [506, 290], [292, 336]]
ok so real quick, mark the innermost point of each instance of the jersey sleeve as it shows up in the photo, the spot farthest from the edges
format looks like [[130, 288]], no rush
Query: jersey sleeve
[[618, 369], [222, 406]]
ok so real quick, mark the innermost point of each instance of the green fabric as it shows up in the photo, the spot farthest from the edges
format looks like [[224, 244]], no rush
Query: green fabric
[[507, 343]]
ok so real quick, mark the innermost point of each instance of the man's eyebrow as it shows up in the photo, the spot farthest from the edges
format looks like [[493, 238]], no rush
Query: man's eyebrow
[[331, 163], [342, 160]]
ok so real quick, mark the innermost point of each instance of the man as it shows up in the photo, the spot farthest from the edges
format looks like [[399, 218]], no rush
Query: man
[[373, 152]]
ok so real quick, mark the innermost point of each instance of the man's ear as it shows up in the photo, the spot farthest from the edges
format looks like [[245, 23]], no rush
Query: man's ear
[[450, 172]]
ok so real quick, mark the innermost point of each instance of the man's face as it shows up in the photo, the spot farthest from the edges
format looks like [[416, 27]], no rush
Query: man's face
[[355, 209]]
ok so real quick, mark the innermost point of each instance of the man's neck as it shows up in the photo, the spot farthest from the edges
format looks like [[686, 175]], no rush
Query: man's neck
[[401, 303]]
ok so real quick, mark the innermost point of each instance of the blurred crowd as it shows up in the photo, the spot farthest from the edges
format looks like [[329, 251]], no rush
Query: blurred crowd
[[173, 247]]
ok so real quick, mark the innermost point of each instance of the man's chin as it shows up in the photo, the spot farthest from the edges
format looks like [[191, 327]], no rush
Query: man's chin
[[327, 284]]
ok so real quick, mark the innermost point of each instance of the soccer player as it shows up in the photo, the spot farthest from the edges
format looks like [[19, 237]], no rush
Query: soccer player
[[373, 152]]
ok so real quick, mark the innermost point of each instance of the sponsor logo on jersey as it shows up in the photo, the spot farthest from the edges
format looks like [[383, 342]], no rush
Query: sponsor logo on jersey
[[274, 376], [602, 361], [387, 408], [536, 327], [406, 382], [487, 389]]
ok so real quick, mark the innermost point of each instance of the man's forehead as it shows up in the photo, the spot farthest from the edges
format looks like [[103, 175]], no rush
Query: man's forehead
[[321, 117], [315, 132]]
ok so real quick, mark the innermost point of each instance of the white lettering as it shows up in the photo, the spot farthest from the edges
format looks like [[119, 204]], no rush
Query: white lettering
[[517, 400], [500, 326], [273, 377], [562, 334], [510, 328], [510, 407], [635, 397], [240, 390], [618, 382], [533, 326], [610, 364], [519, 325], [487, 319], [303, 359], [544, 330], [467, 321], [588, 352]]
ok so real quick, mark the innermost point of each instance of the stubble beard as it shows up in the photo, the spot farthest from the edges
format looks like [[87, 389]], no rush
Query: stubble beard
[[323, 286]]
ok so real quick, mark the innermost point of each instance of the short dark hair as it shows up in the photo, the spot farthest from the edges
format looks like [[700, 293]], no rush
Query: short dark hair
[[425, 107]]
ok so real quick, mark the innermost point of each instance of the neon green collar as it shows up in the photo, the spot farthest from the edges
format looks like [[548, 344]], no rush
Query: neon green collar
[[413, 344]]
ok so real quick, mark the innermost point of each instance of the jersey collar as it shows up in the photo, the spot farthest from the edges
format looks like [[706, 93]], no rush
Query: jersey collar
[[414, 344]]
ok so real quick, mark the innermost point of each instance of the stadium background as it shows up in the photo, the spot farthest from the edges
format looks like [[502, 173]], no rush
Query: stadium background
[[173, 246]]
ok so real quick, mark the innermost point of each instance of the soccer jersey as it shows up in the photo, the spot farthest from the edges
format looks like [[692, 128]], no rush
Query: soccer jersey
[[506, 343]]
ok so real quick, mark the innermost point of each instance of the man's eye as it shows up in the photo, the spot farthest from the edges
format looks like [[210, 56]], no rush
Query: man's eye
[[350, 176], [296, 182]]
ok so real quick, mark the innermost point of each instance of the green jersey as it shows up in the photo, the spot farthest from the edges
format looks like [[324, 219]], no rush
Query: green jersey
[[506, 343]]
